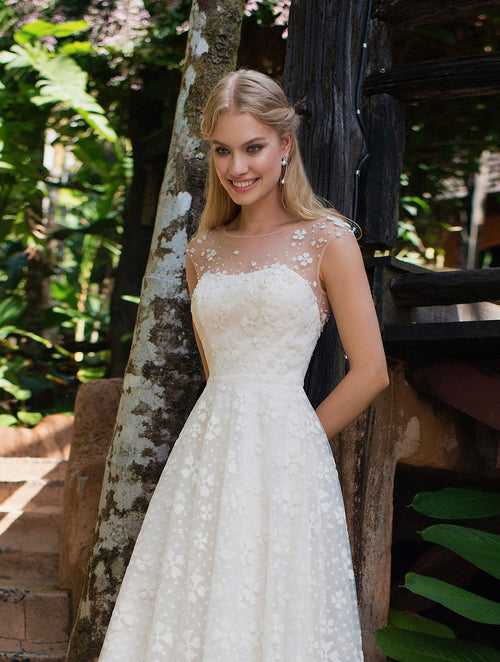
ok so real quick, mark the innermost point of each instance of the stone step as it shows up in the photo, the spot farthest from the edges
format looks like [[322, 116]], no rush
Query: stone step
[[37, 531], [33, 622], [15, 469], [31, 494], [28, 568], [34, 614]]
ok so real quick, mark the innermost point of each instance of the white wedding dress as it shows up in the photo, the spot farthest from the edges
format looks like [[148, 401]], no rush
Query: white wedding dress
[[243, 555]]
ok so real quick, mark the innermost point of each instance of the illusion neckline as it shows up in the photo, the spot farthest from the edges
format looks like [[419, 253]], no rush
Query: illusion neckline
[[281, 228]]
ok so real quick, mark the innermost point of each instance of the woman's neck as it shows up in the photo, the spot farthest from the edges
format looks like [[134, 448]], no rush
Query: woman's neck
[[260, 219]]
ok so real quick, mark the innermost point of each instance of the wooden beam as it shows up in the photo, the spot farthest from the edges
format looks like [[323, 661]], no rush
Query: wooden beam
[[465, 386], [446, 288], [447, 78], [426, 341], [410, 13]]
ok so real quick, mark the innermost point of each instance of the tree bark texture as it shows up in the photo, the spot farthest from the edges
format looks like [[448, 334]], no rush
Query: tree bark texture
[[163, 373], [408, 14], [385, 127], [370, 449], [322, 62]]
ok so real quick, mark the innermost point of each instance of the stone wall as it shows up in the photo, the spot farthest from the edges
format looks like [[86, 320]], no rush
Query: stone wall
[[95, 413]]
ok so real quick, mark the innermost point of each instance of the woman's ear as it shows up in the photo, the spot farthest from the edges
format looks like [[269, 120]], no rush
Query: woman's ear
[[287, 141]]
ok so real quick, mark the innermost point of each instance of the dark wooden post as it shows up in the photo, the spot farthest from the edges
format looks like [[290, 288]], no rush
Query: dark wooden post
[[327, 57]]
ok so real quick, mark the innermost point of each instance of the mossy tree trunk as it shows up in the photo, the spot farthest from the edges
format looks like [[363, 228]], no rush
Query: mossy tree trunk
[[163, 373]]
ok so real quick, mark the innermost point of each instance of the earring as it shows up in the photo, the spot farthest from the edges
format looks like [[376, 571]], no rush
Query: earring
[[284, 163]]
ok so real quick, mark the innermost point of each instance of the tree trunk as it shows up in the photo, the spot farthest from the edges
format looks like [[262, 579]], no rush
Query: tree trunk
[[323, 56], [163, 373], [325, 39]]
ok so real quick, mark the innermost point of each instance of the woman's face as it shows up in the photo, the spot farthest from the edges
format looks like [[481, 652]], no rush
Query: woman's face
[[247, 157]]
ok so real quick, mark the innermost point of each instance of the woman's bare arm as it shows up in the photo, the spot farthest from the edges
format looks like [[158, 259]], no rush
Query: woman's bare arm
[[344, 278]]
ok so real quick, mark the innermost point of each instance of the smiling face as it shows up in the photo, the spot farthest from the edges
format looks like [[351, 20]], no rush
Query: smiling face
[[247, 158]]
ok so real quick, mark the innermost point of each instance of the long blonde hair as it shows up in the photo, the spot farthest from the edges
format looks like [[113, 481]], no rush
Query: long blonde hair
[[247, 91]]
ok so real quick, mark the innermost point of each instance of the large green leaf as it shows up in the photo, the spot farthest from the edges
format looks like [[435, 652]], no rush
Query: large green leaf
[[463, 602], [419, 624], [407, 646], [479, 547], [457, 503], [61, 81]]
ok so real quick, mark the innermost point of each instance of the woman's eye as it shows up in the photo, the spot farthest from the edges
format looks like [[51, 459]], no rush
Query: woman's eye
[[254, 148], [222, 151]]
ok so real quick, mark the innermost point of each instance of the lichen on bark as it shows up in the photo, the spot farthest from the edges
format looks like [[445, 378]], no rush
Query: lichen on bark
[[163, 373]]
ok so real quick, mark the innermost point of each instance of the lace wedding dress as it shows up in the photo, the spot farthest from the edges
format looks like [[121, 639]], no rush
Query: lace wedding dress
[[243, 555]]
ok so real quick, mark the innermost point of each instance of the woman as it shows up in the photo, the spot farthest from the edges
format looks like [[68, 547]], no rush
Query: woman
[[243, 555]]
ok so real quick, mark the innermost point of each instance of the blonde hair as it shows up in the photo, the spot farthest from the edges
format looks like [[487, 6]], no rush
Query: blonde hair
[[247, 91]]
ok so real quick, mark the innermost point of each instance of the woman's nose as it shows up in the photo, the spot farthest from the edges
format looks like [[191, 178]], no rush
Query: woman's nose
[[238, 165]]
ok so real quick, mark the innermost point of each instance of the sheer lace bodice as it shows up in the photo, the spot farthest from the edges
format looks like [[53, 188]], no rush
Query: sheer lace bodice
[[259, 306]]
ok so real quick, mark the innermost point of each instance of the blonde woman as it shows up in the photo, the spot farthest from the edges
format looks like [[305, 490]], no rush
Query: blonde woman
[[243, 555]]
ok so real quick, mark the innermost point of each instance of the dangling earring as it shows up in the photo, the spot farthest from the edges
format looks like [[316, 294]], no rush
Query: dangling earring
[[284, 162]]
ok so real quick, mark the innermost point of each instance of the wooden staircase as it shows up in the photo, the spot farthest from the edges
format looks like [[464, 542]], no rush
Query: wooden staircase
[[34, 614]]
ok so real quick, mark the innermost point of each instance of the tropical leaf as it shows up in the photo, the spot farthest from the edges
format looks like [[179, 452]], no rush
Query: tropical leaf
[[407, 646], [16, 58], [465, 603], [61, 81], [34, 31], [418, 624], [479, 547], [457, 503]]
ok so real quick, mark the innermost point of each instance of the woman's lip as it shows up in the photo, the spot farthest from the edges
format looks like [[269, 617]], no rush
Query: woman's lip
[[243, 185]]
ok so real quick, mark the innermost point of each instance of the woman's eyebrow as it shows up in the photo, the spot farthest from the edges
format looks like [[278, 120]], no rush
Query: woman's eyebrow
[[214, 141]]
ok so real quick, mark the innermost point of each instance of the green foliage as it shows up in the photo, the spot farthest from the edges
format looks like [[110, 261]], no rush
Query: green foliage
[[409, 640], [444, 139], [479, 547], [462, 602], [63, 183], [457, 503], [408, 646], [61, 79], [419, 624]]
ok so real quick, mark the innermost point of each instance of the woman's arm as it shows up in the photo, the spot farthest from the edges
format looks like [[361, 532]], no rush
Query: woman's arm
[[192, 279], [344, 279]]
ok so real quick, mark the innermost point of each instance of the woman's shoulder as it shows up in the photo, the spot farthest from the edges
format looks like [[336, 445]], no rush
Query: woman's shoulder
[[202, 239], [334, 226], [327, 229]]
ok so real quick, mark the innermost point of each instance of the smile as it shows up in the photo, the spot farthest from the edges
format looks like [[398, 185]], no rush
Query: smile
[[243, 185]]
